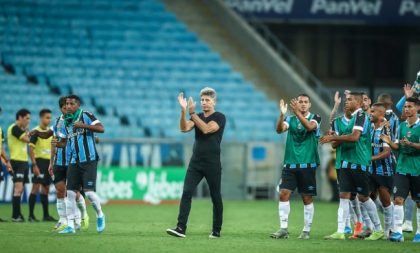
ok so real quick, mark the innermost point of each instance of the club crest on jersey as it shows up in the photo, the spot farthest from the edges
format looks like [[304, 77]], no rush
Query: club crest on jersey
[[409, 134], [299, 126], [395, 189]]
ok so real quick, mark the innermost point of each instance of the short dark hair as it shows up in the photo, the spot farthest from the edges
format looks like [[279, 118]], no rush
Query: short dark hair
[[305, 95], [22, 113], [75, 97], [414, 100], [379, 105], [62, 101], [385, 96], [358, 95], [44, 111]]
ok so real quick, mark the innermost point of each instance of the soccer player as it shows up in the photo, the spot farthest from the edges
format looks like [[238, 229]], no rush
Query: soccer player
[[340, 126], [366, 102], [40, 151], [300, 162], [356, 154], [390, 115], [382, 164], [78, 129], [3, 159], [17, 140], [59, 162], [407, 176], [205, 161]]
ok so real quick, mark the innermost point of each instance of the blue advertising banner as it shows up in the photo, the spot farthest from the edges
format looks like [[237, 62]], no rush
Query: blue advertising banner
[[397, 12]]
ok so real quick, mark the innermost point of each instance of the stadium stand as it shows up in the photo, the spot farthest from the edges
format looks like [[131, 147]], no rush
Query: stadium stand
[[128, 60]]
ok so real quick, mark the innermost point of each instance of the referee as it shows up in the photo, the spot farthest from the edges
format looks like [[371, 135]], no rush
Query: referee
[[205, 161]]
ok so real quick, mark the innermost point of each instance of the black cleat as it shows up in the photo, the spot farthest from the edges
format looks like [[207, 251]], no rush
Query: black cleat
[[49, 218], [177, 232], [32, 219], [214, 235]]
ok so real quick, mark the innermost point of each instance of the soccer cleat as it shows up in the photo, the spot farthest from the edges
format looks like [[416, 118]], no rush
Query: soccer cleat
[[214, 235], [407, 227], [59, 226], [364, 234], [49, 218], [348, 230], [396, 237], [32, 219], [100, 224], [376, 235], [335, 236], [18, 219], [358, 228], [85, 223], [416, 238], [67, 230], [281, 234], [304, 235], [177, 232]]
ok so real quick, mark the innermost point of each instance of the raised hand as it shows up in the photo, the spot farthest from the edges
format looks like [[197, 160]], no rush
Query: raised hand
[[191, 105], [337, 98], [408, 91], [182, 101], [294, 105], [283, 107], [386, 138]]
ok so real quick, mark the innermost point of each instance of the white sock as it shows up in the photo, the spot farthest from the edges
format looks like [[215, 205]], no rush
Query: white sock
[[370, 206], [352, 215], [398, 218], [81, 205], [342, 214], [61, 210], [408, 208], [379, 205], [366, 219], [387, 218], [308, 215], [96, 203], [418, 221], [77, 216], [71, 206], [348, 222], [355, 205], [284, 210]]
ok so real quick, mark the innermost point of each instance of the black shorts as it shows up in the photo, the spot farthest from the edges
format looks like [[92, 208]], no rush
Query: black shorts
[[302, 179], [44, 177], [377, 181], [20, 171], [60, 173], [82, 176], [354, 181], [404, 184]]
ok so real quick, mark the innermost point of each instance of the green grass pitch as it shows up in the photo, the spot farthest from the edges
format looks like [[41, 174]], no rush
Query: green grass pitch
[[141, 228]]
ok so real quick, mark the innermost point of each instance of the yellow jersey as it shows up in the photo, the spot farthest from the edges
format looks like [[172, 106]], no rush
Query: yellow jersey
[[17, 148], [42, 146], [1, 139]]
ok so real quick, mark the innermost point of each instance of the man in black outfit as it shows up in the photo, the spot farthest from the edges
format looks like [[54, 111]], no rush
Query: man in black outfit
[[205, 161]]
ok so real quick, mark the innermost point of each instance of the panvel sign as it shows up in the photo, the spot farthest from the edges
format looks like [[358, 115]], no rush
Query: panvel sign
[[140, 184], [398, 12]]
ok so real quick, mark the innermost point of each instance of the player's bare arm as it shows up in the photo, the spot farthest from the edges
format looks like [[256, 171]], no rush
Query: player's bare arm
[[384, 154], [206, 128], [281, 127], [353, 137], [52, 159], [387, 140], [337, 102], [404, 141], [6, 161], [43, 135], [97, 128], [309, 125], [184, 124], [35, 168]]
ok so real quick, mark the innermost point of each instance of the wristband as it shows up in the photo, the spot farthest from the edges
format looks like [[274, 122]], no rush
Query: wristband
[[192, 113]]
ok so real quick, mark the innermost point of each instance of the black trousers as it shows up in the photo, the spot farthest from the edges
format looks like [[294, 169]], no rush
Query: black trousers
[[196, 171]]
